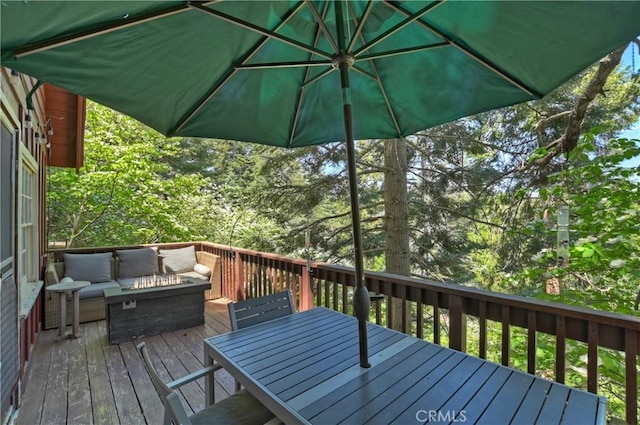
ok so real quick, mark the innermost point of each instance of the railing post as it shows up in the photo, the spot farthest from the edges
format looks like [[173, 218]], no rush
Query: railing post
[[306, 295], [239, 278], [457, 324]]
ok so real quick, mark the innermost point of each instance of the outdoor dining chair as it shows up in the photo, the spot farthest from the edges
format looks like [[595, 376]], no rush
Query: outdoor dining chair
[[239, 408], [258, 310]]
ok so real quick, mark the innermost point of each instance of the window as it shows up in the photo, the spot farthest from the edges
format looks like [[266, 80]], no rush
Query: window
[[27, 217]]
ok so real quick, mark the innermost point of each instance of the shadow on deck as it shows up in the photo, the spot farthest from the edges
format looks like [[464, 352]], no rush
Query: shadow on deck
[[88, 381]]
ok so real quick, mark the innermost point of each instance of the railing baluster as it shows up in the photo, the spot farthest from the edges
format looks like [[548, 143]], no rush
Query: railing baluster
[[482, 351], [335, 296], [278, 272], [419, 319], [240, 292], [273, 283], [327, 283], [592, 358], [262, 277], [532, 343], [405, 314], [280, 275], [390, 305], [561, 349], [378, 308], [631, 376], [345, 299], [230, 287], [436, 317], [506, 335], [319, 291], [248, 281]]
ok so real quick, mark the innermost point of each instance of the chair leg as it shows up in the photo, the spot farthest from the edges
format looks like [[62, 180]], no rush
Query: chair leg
[[238, 386]]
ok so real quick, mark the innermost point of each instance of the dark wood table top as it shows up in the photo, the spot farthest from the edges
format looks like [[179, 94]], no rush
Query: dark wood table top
[[305, 368]]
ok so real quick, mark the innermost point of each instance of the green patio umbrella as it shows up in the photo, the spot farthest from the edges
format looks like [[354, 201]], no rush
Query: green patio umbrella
[[299, 73]]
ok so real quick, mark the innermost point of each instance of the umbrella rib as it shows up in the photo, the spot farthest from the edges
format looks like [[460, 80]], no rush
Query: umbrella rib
[[322, 26], [365, 73], [294, 124], [484, 62], [226, 78], [319, 76], [394, 118], [390, 53], [411, 18], [283, 65], [358, 31], [260, 30], [69, 39]]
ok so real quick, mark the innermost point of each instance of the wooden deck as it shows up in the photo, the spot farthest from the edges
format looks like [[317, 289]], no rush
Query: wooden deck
[[88, 381]]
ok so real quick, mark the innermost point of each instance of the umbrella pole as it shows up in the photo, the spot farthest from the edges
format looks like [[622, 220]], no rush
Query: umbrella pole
[[361, 300]]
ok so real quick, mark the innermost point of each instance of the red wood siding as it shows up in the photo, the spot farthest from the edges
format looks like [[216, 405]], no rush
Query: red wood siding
[[66, 112]]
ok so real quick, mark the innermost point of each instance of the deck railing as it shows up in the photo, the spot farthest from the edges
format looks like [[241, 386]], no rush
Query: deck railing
[[431, 308], [444, 313]]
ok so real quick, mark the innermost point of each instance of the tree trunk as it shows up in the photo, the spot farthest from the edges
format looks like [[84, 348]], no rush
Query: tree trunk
[[396, 207]]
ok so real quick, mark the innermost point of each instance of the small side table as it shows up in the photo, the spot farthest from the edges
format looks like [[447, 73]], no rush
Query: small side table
[[73, 289]]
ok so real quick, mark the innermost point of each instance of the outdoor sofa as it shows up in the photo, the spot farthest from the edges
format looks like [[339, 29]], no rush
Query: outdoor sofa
[[122, 268]]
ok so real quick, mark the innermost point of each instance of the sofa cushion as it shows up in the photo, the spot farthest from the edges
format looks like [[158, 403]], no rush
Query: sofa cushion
[[89, 267], [95, 289], [137, 262], [179, 260]]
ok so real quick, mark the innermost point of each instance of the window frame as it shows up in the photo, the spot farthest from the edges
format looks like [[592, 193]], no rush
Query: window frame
[[27, 217]]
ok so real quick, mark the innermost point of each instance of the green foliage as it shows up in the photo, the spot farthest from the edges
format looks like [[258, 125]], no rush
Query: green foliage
[[603, 193], [137, 186]]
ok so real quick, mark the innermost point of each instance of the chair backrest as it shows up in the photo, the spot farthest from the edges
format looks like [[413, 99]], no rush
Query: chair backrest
[[173, 408], [261, 309]]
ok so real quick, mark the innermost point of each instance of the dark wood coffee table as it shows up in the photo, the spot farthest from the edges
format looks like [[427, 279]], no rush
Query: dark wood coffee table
[[137, 313]]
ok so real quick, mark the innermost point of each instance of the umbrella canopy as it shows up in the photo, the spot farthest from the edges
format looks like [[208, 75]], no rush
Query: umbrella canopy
[[260, 71], [297, 73]]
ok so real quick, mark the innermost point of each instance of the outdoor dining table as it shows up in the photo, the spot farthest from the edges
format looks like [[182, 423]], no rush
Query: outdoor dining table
[[304, 367]]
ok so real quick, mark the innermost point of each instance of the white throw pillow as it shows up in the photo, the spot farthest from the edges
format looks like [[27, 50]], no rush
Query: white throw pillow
[[202, 269]]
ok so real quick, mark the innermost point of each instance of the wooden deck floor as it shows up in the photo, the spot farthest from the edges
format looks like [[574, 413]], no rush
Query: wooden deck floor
[[88, 381]]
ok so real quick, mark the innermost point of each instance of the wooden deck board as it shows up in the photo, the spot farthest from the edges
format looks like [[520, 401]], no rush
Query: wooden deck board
[[89, 381], [147, 396], [192, 393], [102, 398], [79, 396], [40, 369], [192, 339], [54, 409]]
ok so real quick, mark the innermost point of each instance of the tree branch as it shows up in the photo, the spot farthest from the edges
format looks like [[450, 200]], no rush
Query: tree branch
[[569, 139]]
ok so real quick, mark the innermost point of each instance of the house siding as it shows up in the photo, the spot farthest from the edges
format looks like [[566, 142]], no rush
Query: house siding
[[9, 353]]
